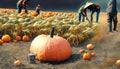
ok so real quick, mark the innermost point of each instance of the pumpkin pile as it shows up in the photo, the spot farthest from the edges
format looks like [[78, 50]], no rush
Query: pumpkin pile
[[67, 25], [90, 53], [51, 48]]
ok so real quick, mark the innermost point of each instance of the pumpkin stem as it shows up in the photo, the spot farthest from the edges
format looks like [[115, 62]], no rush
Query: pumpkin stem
[[52, 32]]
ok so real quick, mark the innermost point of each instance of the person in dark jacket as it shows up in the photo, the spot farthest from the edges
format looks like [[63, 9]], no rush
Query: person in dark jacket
[[22, 4], [112, 14], [93, 8]]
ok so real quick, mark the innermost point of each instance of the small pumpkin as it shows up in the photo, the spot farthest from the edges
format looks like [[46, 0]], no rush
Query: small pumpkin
[[51, 48], [34, 14], [17, 63], [90, 46], [18, 38], [22, 13], [15, 41], [82, 50], [117, 62], [1, 42], [93, 54], [86, 56], [6, 38], [25, 38]]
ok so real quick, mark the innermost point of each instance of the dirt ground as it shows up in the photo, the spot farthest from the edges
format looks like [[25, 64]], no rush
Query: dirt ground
[[107, 47]]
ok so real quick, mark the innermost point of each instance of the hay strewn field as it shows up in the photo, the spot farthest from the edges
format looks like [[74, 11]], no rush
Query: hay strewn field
[[107, 46]]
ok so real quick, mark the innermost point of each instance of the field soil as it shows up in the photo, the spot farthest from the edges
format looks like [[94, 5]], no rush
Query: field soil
[[107, 47]]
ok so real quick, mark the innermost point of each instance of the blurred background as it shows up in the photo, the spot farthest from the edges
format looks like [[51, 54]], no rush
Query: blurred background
[[57, 5]]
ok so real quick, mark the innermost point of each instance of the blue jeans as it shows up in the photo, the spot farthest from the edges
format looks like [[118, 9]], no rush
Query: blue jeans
[[20, 9], [80, 15], [97, 15]]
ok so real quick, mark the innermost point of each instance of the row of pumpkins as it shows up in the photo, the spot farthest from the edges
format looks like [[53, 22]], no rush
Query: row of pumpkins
[[7, 38]]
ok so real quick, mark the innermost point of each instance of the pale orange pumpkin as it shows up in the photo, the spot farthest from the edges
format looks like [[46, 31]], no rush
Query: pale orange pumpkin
[[6, 38], [93, 54], [90, 46], [1, 42], [18, 38], [17, 63], [25, 38], [117, 62], [86, 56], [50, 48]]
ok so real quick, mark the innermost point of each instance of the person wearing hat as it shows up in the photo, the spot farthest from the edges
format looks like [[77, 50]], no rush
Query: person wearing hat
[[81, 13], [38, 9], [22, 4], [112, 14], [93, 8]]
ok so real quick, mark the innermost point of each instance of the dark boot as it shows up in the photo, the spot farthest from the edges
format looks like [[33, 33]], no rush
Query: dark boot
[[115, 26], [110, 27]]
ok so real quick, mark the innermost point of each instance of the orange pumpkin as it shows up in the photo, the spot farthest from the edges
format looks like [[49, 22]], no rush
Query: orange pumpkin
[[48, 14], [93, 54], [18, 38], [82, 50], [86, 56], [90, 46], [50, 48], [22, 13], [25, 38], [1, 42], [17, 63], [6, 38], [118, 63], [34, 14], [15, 41]]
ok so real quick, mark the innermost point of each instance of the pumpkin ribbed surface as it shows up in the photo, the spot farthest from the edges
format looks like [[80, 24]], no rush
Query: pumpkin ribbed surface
[[50, 49]]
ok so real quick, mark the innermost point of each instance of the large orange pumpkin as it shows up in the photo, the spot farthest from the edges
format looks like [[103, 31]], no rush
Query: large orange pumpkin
[[6, 38], [50, 48]]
